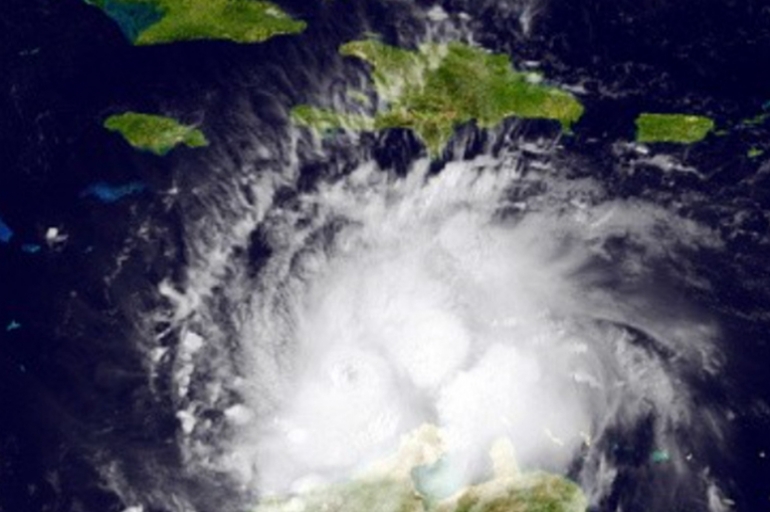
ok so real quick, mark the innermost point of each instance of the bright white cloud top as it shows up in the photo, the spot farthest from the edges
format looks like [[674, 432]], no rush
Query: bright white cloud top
[[489, 303]]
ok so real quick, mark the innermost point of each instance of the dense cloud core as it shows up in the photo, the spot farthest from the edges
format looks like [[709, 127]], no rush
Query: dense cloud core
[[466, 301]]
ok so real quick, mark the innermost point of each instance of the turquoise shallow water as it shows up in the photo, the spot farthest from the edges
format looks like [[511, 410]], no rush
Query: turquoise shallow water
[[107, 193], [437, 481], [133, 18], [5, 232]]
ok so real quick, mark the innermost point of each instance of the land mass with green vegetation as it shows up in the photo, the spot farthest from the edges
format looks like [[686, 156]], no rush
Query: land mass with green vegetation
[[677, 128], [391, 486], [535, 492], [156, 134], [439, 86], [146, 22]]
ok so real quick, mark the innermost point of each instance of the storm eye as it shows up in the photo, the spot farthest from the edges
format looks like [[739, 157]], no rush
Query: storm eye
[[423, 316], [346, 374]]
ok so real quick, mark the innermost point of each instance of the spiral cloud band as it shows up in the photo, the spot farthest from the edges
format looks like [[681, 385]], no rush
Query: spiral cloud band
[[471, 300]]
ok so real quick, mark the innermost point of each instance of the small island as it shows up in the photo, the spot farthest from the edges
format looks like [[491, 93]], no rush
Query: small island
[[676, 128], [437, 87], [156, 134], [147, 22]]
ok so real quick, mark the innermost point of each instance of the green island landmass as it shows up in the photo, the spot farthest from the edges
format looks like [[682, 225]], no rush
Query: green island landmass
[[439, 86], [755, 120], [390, 487], [677, 128], [146, 22], [156, 134]]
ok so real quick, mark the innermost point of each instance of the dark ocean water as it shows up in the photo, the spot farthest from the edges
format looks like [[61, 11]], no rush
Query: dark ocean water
[[73, 392]]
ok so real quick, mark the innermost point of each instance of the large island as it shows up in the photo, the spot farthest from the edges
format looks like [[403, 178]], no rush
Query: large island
[[146, 22], [393, 485], [156, 134], [437, 87], [676, 128]]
